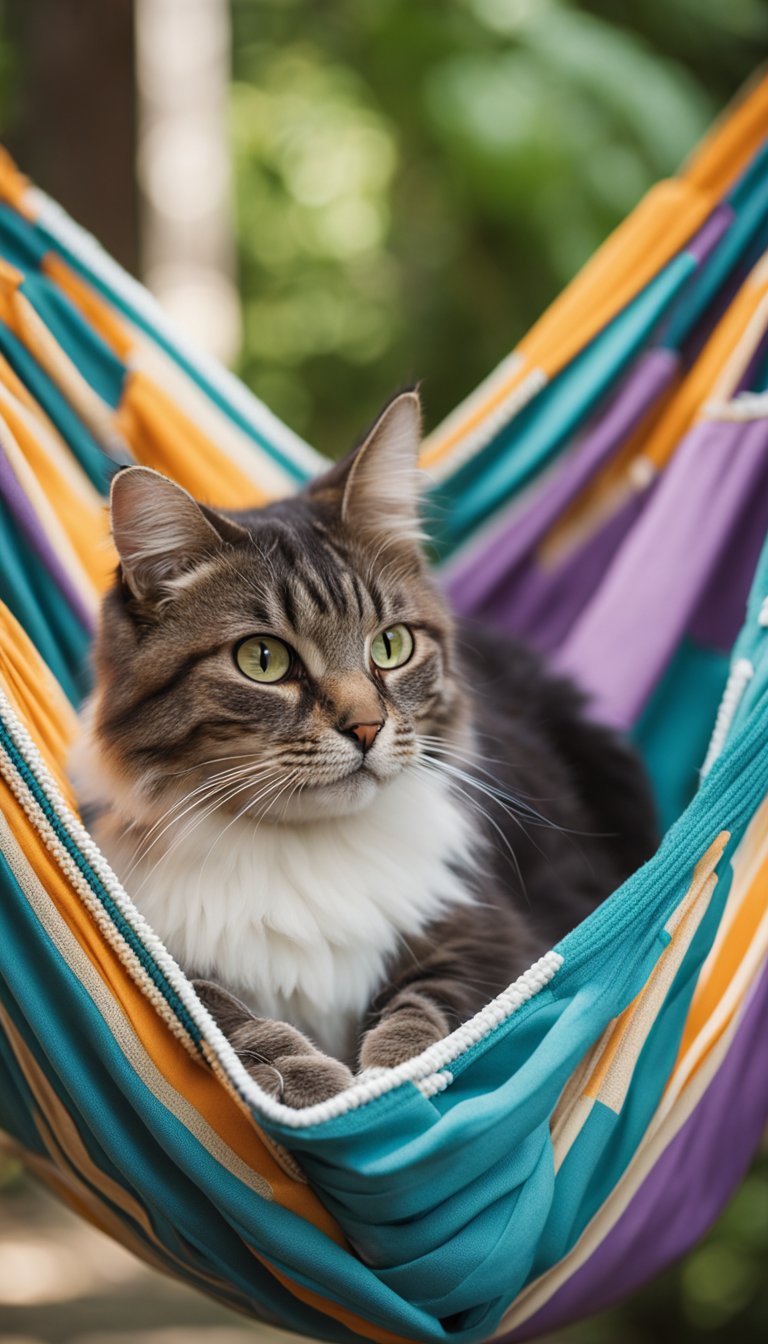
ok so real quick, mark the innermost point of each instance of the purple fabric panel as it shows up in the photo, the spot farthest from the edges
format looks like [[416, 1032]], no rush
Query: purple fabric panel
[[709, 235], [28, 524], [722, 609], [686, 1189], [488, 565], [619, 647], [542, 606]]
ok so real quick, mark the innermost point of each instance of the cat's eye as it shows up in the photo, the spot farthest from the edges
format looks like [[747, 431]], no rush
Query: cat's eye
[[392, 647], [264, 658]]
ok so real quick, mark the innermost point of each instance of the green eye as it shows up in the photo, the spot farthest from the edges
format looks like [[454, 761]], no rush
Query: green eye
[[264, 658], [392, 647]]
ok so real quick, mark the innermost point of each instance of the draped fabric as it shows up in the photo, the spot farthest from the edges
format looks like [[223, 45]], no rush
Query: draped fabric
[[604, 494]]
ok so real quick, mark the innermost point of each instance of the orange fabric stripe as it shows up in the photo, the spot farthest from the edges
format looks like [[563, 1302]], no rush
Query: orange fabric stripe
[[29, 684], [86, 526], [720, 158], [13, 184], [697, 388], [657, 437], [14, 384], [332, 1309], [93, 308], [730, 957], [161, 436], [701, 874], [36, 696], [660, 226], [10, 279], [198, 1085]]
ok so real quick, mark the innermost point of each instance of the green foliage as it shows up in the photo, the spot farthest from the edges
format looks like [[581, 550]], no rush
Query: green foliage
[[416, 182]]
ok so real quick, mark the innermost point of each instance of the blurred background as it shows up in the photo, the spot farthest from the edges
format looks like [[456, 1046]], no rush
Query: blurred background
[[337, 199]]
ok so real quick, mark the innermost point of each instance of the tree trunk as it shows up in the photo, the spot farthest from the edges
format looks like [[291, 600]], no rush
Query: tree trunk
[[75, 130]]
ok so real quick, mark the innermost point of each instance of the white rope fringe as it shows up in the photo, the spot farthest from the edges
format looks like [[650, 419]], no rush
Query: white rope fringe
[[739, 678]]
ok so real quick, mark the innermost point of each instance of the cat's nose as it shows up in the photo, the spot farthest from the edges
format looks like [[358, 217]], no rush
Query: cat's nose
[[365, 734]]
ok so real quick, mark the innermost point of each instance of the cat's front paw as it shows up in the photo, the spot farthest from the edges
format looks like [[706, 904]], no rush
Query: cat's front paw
[[277, 1056], [411, 1025], [311, 1078], [287, 1065]]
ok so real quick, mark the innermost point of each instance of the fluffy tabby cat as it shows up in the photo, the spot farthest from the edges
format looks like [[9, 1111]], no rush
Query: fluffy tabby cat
[[354, 818]]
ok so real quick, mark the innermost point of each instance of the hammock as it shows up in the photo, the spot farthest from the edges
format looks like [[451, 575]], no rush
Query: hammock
[[605, 494]]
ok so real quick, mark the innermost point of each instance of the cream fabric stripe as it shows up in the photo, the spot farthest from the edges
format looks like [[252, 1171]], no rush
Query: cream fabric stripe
[[627, 1034], [93, 257], [58, 453], [91, 408], [747, 860], [737, 361], [737, 990], [81, 1198], [477, 436], [247, 455], [78, 1175], [656, 1141], [122, 1031], [745, 406], [47, 518], [614, 1087], [473, 403], [568, 536]]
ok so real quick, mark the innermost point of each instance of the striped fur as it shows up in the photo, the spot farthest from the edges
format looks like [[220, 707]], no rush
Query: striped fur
[[375, 900]]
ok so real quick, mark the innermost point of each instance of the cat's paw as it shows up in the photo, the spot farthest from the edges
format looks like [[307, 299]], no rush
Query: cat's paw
[[277, 1056], [412, 1024], [312, 1078], [287, 1065]]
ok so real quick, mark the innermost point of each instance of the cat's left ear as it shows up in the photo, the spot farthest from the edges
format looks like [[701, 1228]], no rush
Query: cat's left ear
[[380, 484]]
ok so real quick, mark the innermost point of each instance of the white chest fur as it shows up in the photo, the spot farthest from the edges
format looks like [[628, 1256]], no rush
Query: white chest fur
[[301, 920]]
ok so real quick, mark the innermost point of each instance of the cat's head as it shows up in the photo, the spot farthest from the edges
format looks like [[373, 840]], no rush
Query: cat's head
[[287, 662]]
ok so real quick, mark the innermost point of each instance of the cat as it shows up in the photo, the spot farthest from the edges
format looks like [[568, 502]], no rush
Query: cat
[[351, 818]]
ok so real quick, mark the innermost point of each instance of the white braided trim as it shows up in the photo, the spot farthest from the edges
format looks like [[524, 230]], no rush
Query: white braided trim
[[428, 1070], [90, 252], [436, 1083], [744, 407], [739, 678]]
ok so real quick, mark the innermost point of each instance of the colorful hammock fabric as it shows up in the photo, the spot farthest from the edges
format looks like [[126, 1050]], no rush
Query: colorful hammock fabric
[[605, 494]]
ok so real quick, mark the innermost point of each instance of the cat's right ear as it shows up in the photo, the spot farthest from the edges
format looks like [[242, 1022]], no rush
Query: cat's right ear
[[160, 532]]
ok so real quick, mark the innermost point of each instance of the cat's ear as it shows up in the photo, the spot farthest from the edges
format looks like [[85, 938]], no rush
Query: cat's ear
[[161, 532], [379, 485]]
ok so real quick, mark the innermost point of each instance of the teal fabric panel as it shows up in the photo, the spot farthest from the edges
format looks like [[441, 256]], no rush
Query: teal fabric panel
[[674, 729], [81, 443], [526, 445], [294, 471], [599, 1159], [749, 201], [92, 356], [17, 1104], [19, 241], [752, 645], [38, 607], [125, 930], [406, 1158], [198, 1210]]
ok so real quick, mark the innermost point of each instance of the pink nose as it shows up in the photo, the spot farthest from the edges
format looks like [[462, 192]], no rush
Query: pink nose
[[366, 733]]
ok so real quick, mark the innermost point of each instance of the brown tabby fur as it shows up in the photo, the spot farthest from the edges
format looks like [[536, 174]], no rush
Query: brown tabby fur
[[560, 803]]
